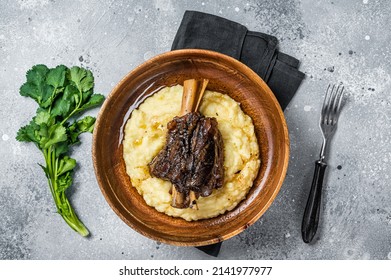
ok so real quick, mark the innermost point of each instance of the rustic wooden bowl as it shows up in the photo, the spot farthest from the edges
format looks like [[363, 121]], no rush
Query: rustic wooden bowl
[[226, 75]]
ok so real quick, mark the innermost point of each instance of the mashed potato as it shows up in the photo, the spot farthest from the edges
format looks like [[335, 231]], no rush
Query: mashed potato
[[145, 136]]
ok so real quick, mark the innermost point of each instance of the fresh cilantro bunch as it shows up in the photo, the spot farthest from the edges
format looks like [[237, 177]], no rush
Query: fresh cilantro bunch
[[62, 94]]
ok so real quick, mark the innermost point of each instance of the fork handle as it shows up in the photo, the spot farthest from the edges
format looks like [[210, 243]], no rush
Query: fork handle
[[312, 209]]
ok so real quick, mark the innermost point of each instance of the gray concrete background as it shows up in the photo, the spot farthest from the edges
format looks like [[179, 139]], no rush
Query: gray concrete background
[[347, 41]]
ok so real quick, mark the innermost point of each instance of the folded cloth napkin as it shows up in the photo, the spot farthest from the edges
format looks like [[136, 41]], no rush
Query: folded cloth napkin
[[257, 50]]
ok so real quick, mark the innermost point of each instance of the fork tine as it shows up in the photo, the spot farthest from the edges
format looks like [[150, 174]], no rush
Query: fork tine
[[330, 105], [324, 107], [338, 105], [333, 106]]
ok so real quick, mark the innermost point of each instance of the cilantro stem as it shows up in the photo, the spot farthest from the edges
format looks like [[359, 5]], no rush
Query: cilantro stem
[[48, 172], [62, 203], [52, 97]]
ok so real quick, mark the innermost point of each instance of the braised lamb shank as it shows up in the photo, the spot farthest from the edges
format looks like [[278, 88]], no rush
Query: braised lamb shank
[[192, 159]]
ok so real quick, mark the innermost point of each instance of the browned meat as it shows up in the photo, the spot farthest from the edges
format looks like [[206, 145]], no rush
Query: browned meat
[[192, 159]]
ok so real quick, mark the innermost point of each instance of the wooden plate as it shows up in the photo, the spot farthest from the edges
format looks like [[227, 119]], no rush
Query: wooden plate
[[226, 75]]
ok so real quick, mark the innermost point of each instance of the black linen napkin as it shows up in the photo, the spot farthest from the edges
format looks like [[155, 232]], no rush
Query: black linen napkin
[[257, 50]]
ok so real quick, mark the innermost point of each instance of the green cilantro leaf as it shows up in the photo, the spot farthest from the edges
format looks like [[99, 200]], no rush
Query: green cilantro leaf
[[62, 107], [28, 133], [81, 78], [84, 125], [71, 93], [65, 105], [56, 76], [57, 133], [43, 117], [22, 134], [36, 86], [66, 164], [63, 183], [37, 74], [41, 93], [61, 148], [87, 94], [94, 100]]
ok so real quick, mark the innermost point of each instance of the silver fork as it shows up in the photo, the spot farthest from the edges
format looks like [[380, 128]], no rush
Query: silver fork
[[328, 124]]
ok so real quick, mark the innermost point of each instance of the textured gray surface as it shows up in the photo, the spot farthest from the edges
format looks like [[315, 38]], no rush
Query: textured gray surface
[[346, 41]]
